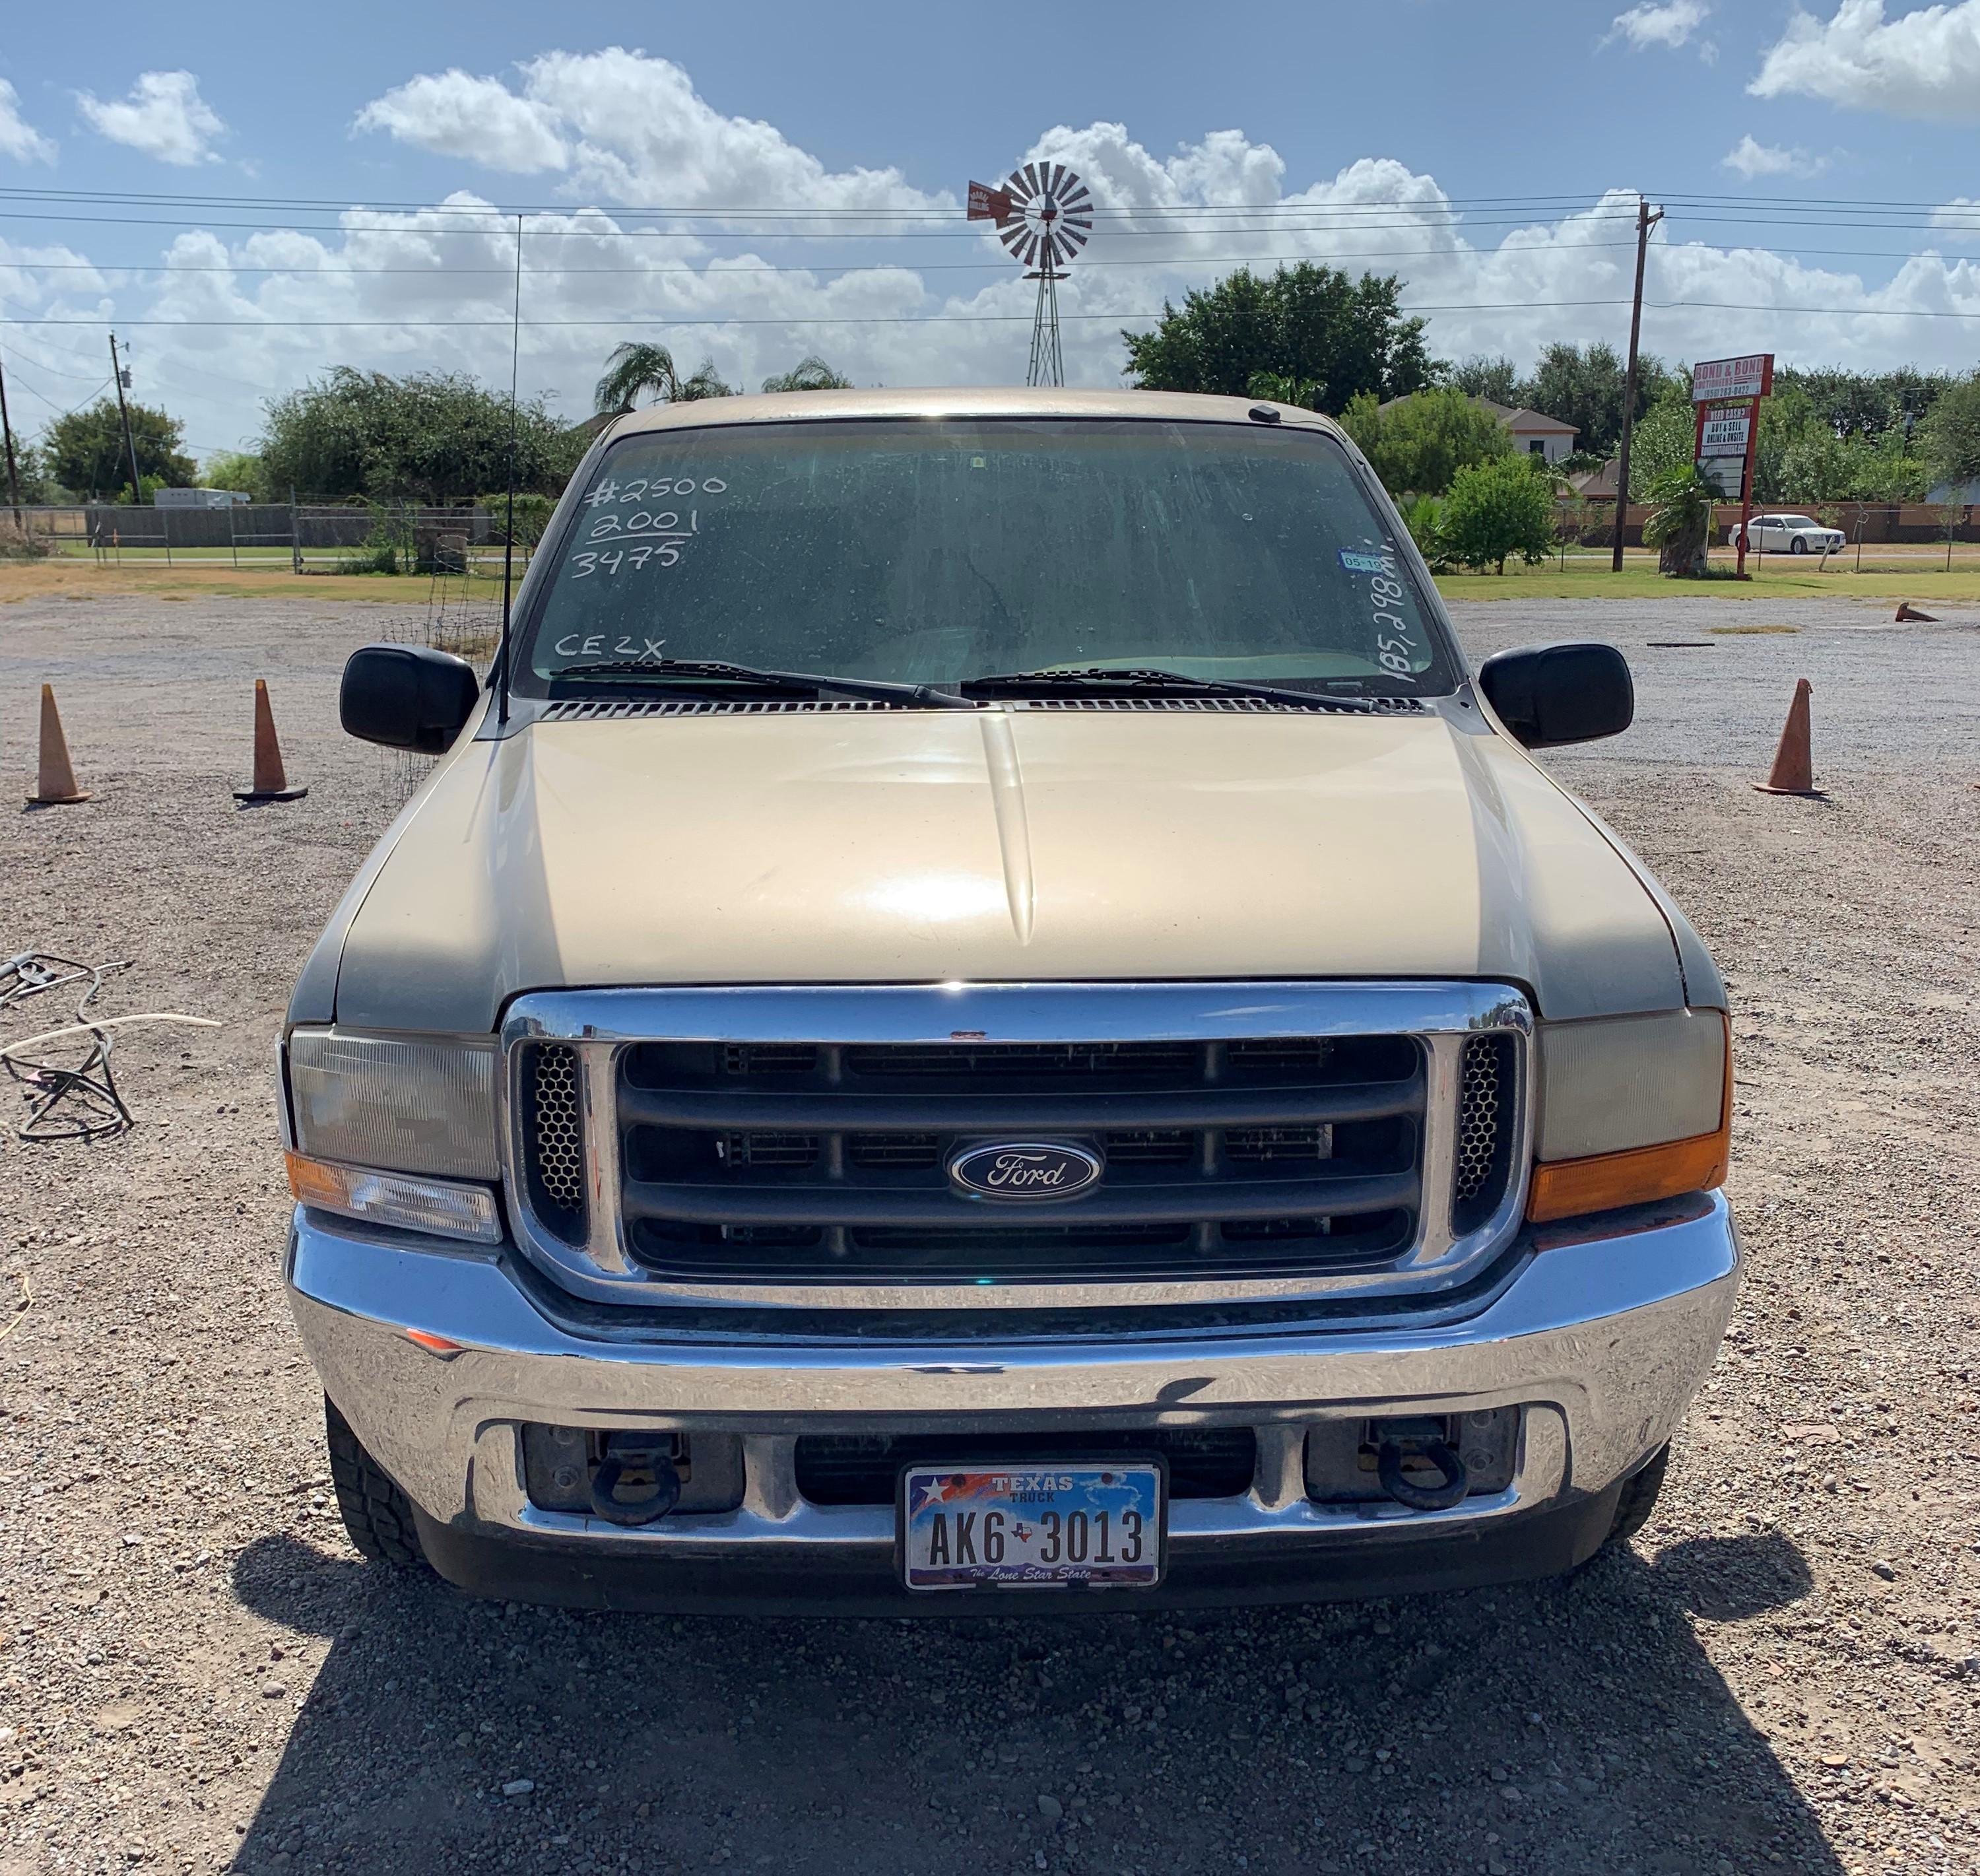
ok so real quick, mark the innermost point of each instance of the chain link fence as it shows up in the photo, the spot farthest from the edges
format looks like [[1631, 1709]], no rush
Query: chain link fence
[[300, 537]]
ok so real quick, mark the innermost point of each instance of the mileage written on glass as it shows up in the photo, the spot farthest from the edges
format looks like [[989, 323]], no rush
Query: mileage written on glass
[[1033, 1526]]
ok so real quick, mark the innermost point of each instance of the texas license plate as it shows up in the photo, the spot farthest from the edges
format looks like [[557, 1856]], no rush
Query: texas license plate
[[1031, 1526]]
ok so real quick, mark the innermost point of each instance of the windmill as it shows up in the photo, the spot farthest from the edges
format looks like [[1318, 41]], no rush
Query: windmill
[[1044, 214]]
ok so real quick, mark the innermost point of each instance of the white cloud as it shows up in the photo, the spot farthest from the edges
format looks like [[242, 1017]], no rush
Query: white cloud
[[629, 128], [455, 114], [431, 289], [18, 138], [1752, 160], [1668, 24], [165, 117], [1924, 64], [1959, 218]]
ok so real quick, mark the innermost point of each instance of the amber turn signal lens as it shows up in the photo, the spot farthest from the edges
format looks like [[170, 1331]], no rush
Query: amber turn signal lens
[[404, 1201], [312, 1183], [1568, 1188]]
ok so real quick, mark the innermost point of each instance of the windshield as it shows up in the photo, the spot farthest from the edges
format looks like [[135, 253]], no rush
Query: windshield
[[1796, 521], [931, 552]]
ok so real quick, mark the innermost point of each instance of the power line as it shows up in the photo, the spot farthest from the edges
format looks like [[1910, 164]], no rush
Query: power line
[[507, 211], [691, 320], [936, 227], [335, 271]]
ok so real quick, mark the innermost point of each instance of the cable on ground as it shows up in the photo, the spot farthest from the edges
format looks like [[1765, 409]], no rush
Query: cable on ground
[[70, 1100]]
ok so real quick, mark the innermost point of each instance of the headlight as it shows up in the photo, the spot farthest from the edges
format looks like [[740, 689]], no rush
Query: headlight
[[1631, 1108], [369, 1111]]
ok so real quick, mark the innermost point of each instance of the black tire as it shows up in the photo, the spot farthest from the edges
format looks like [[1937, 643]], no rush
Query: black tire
[[376, 1512], [1639, 1497], [1799, 544]]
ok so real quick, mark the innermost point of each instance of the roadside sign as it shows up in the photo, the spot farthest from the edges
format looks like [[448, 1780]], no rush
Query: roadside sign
[[989, 204], [1725, 433], [1727, 392], [1718, 379]]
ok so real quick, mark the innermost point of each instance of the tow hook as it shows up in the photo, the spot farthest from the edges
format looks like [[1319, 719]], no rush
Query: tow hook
[[1402, 1439], [644, 1463]]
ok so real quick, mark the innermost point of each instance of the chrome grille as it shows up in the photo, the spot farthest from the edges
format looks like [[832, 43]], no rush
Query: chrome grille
[[1260, 1140], [792, 1162]]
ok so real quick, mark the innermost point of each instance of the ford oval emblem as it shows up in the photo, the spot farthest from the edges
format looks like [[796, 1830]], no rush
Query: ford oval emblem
[[1024, 1169]]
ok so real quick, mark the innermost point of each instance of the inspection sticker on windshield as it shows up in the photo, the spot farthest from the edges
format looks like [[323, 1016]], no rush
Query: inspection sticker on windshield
[[1019, 1527], [1368, 563]]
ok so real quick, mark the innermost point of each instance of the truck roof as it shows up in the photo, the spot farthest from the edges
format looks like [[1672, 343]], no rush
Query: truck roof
[[952, 400]]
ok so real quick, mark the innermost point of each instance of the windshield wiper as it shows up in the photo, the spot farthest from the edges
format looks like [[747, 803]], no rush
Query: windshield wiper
[[1159, 682], [715, 672]]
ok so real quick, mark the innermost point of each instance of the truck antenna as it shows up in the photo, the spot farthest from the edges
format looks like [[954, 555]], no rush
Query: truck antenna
[[502, 651]]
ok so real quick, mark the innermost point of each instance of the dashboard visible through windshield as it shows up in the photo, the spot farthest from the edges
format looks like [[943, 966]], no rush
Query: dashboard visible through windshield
[[930, 552]]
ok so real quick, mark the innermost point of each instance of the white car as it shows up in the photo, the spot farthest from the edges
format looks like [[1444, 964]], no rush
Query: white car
[[1789, 533]]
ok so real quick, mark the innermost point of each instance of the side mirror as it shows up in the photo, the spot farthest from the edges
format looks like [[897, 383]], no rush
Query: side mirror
[[1550, 694], [408, 697]]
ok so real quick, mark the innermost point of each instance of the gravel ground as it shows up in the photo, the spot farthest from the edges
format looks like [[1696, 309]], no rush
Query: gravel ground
[[1783, 1671]]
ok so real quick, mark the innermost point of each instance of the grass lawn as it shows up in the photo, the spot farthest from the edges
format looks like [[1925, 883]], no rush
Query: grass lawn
[[80, 579]]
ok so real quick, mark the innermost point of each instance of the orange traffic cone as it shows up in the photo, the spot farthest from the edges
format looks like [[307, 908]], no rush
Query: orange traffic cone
[[54, 780], [1791, 774], [271, 782], [1908, 614]]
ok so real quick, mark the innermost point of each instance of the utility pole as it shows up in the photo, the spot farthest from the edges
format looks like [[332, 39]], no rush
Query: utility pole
[[13, 474], [117, 377], [1645, 222]]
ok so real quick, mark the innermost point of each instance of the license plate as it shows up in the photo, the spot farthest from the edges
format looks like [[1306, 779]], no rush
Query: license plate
[[1031, 1526]]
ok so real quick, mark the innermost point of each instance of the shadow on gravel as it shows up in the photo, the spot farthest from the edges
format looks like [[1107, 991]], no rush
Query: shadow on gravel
[[1548, 1729]]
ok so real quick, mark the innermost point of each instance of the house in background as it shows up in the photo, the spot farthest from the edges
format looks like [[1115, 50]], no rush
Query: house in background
[[1596, 484], [1533, 433]]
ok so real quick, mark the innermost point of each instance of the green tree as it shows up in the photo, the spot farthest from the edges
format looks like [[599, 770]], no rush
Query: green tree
[[1665, 436], [38, 486], [1424, 518], [811, 373], [1585, 388], [1303, 393], [1418, 444], [1800, 455], [1679, 524], [1949, 438], [1497, 510], [1496, 379], [429, 438], [634, 367], [1312, 324], [85, 450], [1861, 403], [239, 470]]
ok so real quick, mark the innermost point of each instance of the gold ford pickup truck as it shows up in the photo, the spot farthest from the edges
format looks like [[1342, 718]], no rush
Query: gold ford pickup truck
[[1220, 1124]]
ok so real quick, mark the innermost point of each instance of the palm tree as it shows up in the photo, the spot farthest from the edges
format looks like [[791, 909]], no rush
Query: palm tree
[[1679, 525], [633, 368], [808, 374]]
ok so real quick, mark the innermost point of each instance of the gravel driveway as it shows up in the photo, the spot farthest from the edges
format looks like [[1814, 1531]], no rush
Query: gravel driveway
[[1783, 1671]]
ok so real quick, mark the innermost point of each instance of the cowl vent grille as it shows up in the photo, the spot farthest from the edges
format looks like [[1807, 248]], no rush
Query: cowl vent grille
[[619, 709]]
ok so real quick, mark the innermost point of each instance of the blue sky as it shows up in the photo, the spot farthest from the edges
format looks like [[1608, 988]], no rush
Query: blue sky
[[1367, 136]]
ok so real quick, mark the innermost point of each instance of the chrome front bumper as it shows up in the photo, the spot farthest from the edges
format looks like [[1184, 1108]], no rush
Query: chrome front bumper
[[1602, 1332]]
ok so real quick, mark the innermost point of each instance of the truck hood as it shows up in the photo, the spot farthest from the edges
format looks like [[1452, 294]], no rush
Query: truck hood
[[999, 846]]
